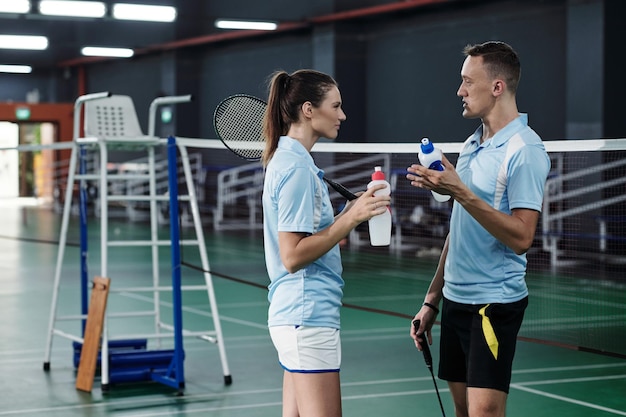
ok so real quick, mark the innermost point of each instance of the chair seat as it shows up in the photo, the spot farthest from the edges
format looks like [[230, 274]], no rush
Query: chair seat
[[119, 142], [137, 140]]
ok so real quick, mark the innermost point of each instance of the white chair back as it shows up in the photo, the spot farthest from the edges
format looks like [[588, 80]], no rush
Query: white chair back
[[112, 117]]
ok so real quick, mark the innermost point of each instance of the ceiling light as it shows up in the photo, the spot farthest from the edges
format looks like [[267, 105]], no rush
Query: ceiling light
[[245, 24], [110, 52], [124, 11], [23, 42], [72, 8], [16, 6], [16, 69]]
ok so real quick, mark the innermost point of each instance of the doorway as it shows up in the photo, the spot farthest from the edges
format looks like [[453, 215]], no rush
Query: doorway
[[37, 171], [27, 173], [9, 160]]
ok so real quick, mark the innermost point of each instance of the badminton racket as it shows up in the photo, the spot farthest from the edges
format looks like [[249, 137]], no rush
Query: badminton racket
[[428, 358], [238, 122]]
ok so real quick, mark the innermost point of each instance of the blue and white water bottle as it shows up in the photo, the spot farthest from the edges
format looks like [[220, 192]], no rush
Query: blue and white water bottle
[[430, 156]]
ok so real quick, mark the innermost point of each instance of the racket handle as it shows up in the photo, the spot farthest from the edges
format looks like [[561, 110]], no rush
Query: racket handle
[[341, 189], [428, 358]]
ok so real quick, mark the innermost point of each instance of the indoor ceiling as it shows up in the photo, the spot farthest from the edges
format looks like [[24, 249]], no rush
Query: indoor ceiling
[[66, 35], [194, 25]]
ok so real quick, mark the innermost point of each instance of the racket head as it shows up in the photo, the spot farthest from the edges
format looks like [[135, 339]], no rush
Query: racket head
[[238, 123]]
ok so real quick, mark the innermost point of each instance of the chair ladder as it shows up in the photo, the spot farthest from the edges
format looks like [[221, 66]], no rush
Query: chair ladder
[[171, 374]]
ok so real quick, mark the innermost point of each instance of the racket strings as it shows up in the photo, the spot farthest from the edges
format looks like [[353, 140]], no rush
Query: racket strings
[[239, 123]]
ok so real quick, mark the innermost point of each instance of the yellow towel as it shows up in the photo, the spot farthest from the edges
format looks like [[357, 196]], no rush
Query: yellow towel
[[490, 335]]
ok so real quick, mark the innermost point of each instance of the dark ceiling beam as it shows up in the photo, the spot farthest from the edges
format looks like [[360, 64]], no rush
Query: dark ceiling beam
[[376, 10], [185, 43], [364, 12]]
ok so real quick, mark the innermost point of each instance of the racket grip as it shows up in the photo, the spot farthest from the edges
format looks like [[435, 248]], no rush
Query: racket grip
[[428, 358], [341, 189]]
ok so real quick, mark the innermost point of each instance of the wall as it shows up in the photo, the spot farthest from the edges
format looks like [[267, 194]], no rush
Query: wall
[[398, 72], [414, 70], [15, 87]]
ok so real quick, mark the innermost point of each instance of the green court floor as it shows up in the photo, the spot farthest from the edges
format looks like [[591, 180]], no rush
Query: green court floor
[[383, 375]]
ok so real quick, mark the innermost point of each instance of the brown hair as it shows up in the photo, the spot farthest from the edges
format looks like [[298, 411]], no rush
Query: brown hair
[[500, 61], [287, 93]]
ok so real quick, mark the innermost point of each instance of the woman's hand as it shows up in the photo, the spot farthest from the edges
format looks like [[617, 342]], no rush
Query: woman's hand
[[367, 205]]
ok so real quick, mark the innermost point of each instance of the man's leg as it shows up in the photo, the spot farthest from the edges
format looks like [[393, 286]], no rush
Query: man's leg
[[459, 396], [486, 402]]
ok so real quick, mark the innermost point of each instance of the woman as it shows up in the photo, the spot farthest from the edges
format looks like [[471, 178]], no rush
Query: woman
[[301, 237]]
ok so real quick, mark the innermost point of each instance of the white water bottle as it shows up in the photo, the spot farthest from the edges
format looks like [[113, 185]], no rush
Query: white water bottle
[[380, 225], [430, 157]]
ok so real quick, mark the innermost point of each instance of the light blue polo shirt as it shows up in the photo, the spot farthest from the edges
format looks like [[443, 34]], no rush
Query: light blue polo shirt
[[508, 171], [295, 199]]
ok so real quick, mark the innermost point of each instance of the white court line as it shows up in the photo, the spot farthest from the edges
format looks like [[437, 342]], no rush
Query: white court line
[[380, 298], [548, 323], [569, 400], [204, 410], [523, 386], [190, 399], [569, 368], [196, 311], [346, 333], [216, 397], [8, 358], [243, 304], [247, 322], [149, 414], [612, 319], [569, 380], [188, 411], [576, 299], [153, 402]]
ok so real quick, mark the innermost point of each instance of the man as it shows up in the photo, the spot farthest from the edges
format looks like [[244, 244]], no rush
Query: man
[[497, 188]]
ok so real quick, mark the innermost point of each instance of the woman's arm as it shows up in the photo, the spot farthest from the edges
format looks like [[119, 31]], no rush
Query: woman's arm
[[300, 249]]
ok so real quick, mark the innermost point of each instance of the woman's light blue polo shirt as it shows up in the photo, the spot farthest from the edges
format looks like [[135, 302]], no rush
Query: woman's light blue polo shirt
[[295, 199], [508, 171]]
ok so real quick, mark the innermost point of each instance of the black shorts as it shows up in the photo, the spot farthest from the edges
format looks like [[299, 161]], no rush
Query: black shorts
[[478, 343]]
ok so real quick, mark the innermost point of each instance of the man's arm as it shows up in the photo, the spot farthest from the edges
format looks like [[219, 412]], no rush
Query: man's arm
[[516, 231], [427, 313]]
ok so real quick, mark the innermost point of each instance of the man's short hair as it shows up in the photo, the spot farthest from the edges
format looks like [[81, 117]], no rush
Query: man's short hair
[[501, 61]]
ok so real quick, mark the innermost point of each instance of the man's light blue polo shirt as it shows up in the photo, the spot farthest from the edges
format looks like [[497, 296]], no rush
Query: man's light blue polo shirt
[[295, 199], [508, 171]]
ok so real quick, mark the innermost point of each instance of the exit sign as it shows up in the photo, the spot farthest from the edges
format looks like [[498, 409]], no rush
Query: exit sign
[[22, 113]]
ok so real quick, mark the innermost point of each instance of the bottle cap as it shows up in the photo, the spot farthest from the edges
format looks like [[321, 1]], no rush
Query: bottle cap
[[378, 174], [427, 146]]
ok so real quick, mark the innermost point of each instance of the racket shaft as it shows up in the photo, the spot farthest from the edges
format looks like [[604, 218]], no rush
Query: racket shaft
[[341, 189], [429, 361]]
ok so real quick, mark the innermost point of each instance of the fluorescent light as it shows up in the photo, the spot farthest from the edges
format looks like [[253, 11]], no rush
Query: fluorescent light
[[245, 24], [16, 69], [15, 6], [23, 42], [125, 11], [111, 52], [72, 8]]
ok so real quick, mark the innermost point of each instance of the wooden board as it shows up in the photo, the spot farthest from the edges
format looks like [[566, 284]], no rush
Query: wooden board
[[93, 334]]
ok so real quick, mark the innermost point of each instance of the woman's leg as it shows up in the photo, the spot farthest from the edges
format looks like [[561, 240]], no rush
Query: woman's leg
[[317, 394], [290, 406]]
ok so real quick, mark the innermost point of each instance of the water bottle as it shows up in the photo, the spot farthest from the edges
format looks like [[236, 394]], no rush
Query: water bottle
[[430, 157], [380, 225]]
